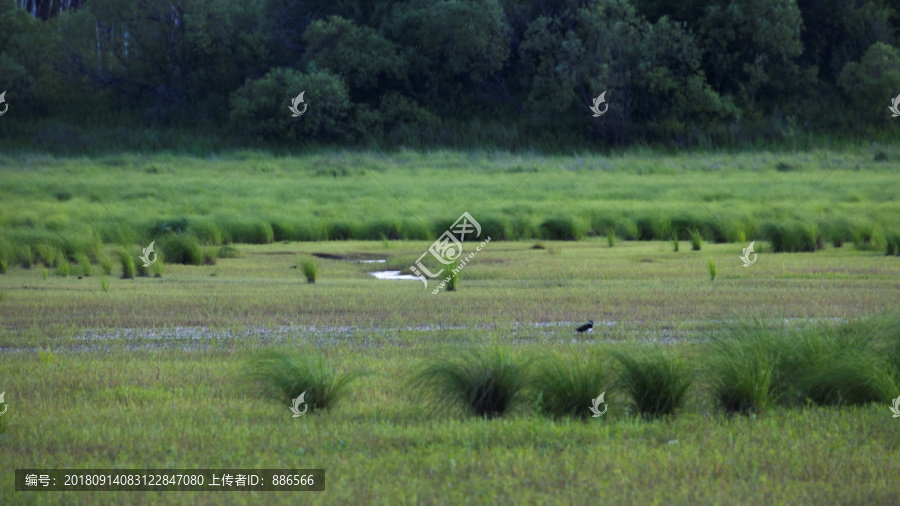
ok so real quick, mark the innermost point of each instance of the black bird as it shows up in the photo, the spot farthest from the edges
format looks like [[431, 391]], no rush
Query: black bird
[[587, 327]]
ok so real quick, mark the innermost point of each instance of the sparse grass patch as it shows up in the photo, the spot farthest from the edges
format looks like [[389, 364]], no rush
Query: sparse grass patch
[[229, 252], [483, 382], [656, 381]]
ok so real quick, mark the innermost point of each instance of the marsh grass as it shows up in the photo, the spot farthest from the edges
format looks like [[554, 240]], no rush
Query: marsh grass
[[63, 268], [229, 252], [611, 237], [310, 269], [127, 263], [675, 242], [181, 248], [656, 382], [104, 284], [106, 264], [483, 382], [285, 375], [84, 263], [210, 255], [742, 370], [696, 240], [566, 386], [453, 282], [711, 266]]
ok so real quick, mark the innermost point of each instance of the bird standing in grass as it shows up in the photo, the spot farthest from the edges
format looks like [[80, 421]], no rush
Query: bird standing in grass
[[587, 327]]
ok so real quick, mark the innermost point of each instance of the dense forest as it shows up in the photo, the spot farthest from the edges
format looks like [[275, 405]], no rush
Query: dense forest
[[449, 72]]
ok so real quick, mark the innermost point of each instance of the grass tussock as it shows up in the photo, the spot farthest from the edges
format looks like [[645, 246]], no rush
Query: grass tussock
[[483, 382], [286, 375], [696, 240], [656, 382], [567, 387], [611, 237], [127, 263], [310, 269], [453, 275], [711, 266], [181, 249]]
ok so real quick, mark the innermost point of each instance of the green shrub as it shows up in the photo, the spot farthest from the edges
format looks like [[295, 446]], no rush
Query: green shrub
[[181, 249], [696, 240], [567, 387], [287, 375], [794, 236], [310, 269], [486, 383], [656, 382], [711, 265]]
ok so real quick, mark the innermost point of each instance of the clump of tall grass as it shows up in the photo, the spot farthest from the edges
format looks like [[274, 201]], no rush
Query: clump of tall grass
[[84, 263], [310, 269], [63, 268], [656, 382], [25, 256], [106, 264], [6, 253], [45, 254], [892, 244], [127, 263], [611, 237], [210, 255], [696, 240], [486, 383], [675, 242], [287, 375], [563, 228], [453, 274], [742, 370], [104, 284], [795, 236], [568, 387], [181, 249], [247, 230], [711, 265]]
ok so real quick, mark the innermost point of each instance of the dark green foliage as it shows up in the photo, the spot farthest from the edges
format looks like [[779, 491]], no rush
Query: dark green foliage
[[562, 228], [181, 249], [484, 382], [567, 386], [287, 375], [229, 252], [794, 236], [655, 381]]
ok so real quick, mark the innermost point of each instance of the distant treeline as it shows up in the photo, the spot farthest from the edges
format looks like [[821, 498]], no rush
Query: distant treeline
[[451, 72]]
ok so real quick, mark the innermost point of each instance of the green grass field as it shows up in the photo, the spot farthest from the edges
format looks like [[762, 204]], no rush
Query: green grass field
[[149, 372]]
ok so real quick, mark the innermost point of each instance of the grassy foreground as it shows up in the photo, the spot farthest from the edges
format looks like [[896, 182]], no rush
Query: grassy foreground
[[147, 373]]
